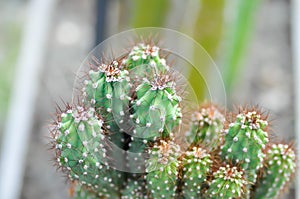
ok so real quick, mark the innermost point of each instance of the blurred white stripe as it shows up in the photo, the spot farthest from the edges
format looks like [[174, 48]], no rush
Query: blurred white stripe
[[22, 104], [295, 6]]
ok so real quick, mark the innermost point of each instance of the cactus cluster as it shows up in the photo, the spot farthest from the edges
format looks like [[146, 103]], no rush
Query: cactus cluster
[[132, 104]]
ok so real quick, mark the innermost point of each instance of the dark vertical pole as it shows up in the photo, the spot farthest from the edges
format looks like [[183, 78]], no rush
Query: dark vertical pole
[[101, 9]]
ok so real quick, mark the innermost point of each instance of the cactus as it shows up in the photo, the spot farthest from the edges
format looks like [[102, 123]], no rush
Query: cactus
[[107, 91], [206, 126], [245, 141], [129, 116], [77, 192], [156, 108], [228, 182], [81, 150], [196, 166], [161, 169], [146, 56], [280, 167], [135, 188]]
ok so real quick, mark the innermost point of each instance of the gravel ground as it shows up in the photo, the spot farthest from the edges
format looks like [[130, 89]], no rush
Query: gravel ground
[[266, 80]]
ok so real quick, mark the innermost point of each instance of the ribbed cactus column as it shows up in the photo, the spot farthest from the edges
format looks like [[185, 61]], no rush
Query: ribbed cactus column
[[162, 170], [196, 167], [156, 108], [107, 90], [228, 182], [206, 127], [244, 142], [80, 142], [280, 166]]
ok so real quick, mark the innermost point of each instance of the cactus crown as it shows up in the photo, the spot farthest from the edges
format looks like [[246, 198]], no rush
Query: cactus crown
[[133, 104]]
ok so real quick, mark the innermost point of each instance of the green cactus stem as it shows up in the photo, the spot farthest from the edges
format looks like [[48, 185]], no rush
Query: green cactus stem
[[147, 57], [279, 169], [206, 127], [81, 151], [156, 108], [107, 90], [161, 169], [228, 182], [196, 167], [244, 142]]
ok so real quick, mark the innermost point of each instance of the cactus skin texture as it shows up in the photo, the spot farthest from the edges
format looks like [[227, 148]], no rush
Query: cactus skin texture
[[206, 127], [196, 165], [81, 151], [245, 141], [161, 169], [135, 189], [228, 182], [280, 166], [139, 110]]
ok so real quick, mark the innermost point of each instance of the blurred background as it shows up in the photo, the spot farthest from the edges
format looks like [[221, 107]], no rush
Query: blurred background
[[43, 43]]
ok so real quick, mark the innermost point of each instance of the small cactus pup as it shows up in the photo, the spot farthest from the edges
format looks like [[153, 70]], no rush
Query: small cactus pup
[[279, 169], [245, 141], [228, 182], [196, 165], [206, 126], [81, 149], [162, 169]]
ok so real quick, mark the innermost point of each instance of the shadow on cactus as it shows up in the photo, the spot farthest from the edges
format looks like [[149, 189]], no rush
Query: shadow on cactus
[[119, 140]]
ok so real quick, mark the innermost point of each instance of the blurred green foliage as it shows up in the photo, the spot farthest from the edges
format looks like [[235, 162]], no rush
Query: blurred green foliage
[[149, 13], [208, 30], [9, 48], [238, 40]]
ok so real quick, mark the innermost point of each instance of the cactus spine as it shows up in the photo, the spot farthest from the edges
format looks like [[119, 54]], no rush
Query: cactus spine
[[132, 102]]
